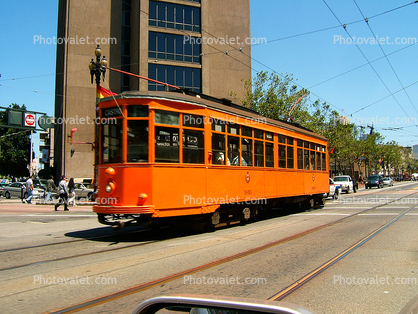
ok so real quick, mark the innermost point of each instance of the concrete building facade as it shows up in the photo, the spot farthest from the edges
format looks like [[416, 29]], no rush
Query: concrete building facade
[[202, 45]]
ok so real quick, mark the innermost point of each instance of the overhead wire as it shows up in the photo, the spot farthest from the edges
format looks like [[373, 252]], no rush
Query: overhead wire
[[385, 55], [362, 53], [292, 36]]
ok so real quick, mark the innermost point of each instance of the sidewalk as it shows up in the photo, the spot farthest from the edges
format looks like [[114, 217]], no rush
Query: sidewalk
[[15, 205]]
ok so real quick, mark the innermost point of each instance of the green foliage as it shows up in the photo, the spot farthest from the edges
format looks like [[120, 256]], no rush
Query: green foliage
[[274, 97], [15, 148]]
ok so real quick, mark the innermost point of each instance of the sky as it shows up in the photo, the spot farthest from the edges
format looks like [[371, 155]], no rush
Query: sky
[[369, 83]]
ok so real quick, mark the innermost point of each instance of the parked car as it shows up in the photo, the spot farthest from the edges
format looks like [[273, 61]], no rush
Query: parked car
[[334, 190], [15, 190], [81, 191], [387, 181], [374, 180], [346, 183]]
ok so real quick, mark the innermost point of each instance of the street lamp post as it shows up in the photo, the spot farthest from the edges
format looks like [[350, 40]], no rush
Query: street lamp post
[[97, 68]]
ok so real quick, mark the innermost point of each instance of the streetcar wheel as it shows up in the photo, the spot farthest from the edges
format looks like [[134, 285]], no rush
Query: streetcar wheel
[[215, 218], [245, 215]]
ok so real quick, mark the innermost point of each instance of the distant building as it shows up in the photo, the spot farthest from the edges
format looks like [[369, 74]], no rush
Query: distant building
[[344, 120], [415, 151], [201, 45], [45, 147]]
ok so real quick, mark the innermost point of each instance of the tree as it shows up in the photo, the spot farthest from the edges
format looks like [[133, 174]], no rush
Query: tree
[[15, 148], [274, 97]]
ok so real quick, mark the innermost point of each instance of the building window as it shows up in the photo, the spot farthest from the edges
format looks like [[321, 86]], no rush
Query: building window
[[174, 16], [126, 44], [182, 77], [173, 47]]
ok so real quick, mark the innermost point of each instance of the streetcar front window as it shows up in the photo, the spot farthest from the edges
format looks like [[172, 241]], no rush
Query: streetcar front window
[[166, 144], [137, 134], [112, 142]]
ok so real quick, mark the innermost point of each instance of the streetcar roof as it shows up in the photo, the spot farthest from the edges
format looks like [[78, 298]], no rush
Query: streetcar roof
[[216, 104]]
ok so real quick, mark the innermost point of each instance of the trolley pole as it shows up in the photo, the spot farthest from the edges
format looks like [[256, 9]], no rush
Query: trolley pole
[[97, 68]]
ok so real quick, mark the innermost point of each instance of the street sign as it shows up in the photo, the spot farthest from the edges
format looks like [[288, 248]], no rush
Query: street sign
[[45, 122], [30, 120]]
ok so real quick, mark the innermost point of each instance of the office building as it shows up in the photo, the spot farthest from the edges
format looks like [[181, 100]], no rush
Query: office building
[[201, 45]]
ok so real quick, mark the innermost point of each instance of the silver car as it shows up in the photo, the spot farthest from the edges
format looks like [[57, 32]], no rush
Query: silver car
[[15, 190], [81, 191], [387, 181]]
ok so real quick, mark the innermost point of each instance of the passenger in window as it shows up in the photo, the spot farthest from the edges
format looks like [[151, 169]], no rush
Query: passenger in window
[[221, 159], [235, 161]]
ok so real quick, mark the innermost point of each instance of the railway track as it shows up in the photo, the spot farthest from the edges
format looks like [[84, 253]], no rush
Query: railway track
[[280, 295]]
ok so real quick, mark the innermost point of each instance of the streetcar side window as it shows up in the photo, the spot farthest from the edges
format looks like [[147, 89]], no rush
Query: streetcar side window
[[324, 162], [233, 151], [290, 163], [247, 151], [193, 147], [218, 125], [300, 158], [246, 131], [282, 156], [269, 154], [306, 158], [233, 129], [137, 134], [138, 111], [194, 121], [167, 117], [218, 149], [166, 144], [258, 153], [312, 160], [112, 142], [259, 134], [318, 161]]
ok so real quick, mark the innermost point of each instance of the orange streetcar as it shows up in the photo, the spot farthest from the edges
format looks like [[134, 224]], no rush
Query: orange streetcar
[[177, 157]]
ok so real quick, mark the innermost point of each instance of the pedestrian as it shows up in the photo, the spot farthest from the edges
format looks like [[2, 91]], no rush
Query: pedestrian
[[63, 193], [71, 191], [29, 189], [50, 187]]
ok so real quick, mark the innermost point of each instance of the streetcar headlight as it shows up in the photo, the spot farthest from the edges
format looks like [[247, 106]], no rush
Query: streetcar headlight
[[110, 187], [142, 198], [110, 172]]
